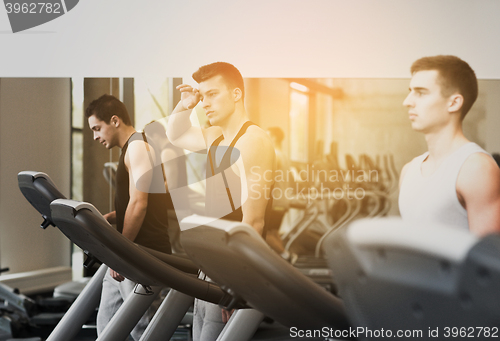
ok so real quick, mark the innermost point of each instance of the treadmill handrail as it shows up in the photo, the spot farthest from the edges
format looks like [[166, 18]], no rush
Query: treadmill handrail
[[99, 236], [396, 234], [80, 205], [39, 189], [182, 263], [231, 227], [250, 259], [37, 175]]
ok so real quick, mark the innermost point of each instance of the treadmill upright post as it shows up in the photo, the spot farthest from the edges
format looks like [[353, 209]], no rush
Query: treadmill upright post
[[242, 325], [130, 312], [167, 318], [81, 309]]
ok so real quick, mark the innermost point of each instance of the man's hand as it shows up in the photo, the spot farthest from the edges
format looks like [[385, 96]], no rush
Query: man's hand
[[110, 217], [189, 96], [226, 315], [116, 276], [180, 130]]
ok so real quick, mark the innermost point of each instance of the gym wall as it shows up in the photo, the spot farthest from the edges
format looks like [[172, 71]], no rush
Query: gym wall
[[34, 135], [369, 117]]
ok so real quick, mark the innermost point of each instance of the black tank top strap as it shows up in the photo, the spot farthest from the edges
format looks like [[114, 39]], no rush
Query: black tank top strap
[[217, 141], [224, 164], [242, 131], [212, 158], [226, 158]]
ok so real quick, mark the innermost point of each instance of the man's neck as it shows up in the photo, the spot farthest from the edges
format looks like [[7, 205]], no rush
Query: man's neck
[[233, 124], [125, 134], [445, 141]]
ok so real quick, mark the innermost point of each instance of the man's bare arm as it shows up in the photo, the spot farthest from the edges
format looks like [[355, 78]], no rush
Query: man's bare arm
[[138, 161], [180, 131], [257, 176], [139, 166], [478, 189]]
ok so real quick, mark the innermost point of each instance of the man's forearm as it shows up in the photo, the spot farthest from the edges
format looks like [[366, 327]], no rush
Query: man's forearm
[[134, 217], [178, 122]]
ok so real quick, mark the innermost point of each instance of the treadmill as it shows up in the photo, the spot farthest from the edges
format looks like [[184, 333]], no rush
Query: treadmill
[[40, 191], [234, 255], [300, 302], [86, 227], [431, 282]]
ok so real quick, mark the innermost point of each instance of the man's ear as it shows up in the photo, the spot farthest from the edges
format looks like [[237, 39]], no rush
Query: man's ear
[[115, 120], [455, 103], [237, 94]]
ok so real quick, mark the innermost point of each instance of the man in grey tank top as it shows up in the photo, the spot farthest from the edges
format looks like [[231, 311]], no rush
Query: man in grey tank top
[[455, 182], [241, 191]]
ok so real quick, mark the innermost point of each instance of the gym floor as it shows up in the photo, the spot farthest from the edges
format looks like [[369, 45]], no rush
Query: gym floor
[[89, 334]]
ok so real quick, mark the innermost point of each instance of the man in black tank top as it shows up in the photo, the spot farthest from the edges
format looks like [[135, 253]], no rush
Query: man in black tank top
[[240, 162], [140, 213]]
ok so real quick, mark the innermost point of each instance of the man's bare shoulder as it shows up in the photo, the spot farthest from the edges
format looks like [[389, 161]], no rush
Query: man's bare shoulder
[[256, 148], [405, 168], [137, 147], [139, 157], [255, 140], [478, 189], [479, 167]]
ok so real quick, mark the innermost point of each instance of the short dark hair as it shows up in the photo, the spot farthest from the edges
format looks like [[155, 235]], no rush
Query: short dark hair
[[106, 107], [277, 132], [455, 75], [156, 130], [229, 73]]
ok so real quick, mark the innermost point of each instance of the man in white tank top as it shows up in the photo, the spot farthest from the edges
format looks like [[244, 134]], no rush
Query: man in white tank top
[[455, 182]]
